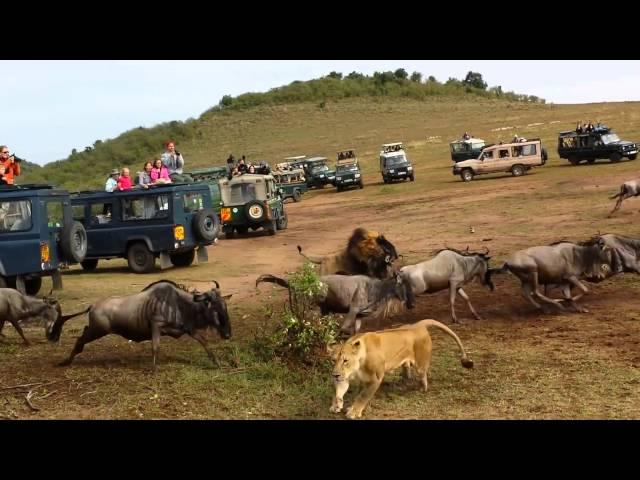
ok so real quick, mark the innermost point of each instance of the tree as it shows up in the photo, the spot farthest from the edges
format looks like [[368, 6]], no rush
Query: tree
[[226, 101], [355, 76], [432, 78], [416, 77], [401, 74], [474, 79], [337, 75], [74, 151]]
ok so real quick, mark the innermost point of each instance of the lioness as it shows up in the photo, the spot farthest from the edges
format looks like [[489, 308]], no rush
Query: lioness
[[367, 356]]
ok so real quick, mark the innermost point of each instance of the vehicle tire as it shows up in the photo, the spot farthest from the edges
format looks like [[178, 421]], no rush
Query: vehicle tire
[[3, 282], [339, 188], [242, 230], [255, 212], [633, 157], [228, 232], [591, 161], [361, 185], [321, 185], [283, 221], [272, 227], [89, 265], [573, 160], [73, 241], [183, 259], [32, 286], [615, 157], [140, 259], [517, 170], [206, 225], [545, 156], [467, 175], [297, 196], [412, 177]]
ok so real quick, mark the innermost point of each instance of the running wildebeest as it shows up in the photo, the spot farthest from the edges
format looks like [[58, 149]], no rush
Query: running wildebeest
[[627, 190], [625, 251], [367, 253], [450, 269], [16, 307], [356, 295], [563, 264], [161, 308]]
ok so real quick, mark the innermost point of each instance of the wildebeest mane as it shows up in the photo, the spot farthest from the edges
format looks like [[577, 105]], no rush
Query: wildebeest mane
[[171, 282]]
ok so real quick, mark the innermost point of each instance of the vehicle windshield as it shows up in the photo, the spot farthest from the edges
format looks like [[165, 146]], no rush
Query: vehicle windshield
[[395, 161], [319, 168], [241, 193], [460, 147], [346, 168], [610, 138]]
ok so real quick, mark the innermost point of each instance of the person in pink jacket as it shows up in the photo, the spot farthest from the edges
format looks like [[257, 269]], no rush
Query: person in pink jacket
[[160, 173], [124, 180]]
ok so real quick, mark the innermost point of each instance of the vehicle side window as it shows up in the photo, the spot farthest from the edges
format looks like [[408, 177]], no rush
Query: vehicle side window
[[192, 202], [54, 214], [488, 155], [15, 216], [528, 150], [78, 212], [145, 208], [101, 213], [503, 153]]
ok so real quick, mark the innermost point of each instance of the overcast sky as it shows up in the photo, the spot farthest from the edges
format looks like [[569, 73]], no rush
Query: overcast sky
[[50, 107]]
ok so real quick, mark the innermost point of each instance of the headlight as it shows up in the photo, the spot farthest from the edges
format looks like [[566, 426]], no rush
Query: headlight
[[391, 171], [357, 175], [409, 168], [338, 178]]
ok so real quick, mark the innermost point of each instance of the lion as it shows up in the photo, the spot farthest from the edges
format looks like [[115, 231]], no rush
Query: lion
[[367, 253], [368, 356]]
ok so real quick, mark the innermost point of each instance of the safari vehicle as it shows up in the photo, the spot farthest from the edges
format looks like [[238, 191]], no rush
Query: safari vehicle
[[348, 171], [291, 183], [318, 172], [251, 201], [210, 176], [173, 221], [466, 149], [38, 236], [516, 158], [394, 164], [601, 142]]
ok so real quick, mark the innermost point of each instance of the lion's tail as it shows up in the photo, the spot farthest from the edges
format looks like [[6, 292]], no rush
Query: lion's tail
[[466, 361], [267, 277]]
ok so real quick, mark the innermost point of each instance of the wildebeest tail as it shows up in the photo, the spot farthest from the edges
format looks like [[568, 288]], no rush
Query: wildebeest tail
[[619, 194], [267, 277], [465, 360], [54, 334]]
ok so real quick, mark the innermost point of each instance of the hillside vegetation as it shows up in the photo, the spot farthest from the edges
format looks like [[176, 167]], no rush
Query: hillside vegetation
[[301, 115]]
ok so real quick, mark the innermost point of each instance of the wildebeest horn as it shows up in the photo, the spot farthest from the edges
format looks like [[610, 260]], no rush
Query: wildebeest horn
[[467, 248], [217, 284], [487, 250]]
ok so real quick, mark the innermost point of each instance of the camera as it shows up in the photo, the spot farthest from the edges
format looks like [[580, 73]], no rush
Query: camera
[[177, 153], [17, 158]]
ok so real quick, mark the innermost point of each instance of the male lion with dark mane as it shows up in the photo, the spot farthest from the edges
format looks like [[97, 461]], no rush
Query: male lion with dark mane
[[367, 253], [368, 356]]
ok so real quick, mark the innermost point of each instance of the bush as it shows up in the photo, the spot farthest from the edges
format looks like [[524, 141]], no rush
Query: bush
[[300, 333]]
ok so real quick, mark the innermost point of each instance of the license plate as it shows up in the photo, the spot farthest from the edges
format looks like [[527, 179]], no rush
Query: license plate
[[348, 180], [402, 173], [632, 152]]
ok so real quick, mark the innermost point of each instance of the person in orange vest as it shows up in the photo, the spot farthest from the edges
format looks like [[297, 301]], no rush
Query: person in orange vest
[[11, 166]]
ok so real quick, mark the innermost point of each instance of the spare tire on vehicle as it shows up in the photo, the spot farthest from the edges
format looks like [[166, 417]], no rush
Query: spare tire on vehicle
[[73, 241], [255, 211], [206, 225]]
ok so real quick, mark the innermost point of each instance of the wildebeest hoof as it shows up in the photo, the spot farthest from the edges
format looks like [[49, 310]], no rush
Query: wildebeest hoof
[[64, 363]]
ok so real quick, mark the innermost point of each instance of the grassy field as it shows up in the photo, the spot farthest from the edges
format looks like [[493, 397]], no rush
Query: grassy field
[[528, 365]]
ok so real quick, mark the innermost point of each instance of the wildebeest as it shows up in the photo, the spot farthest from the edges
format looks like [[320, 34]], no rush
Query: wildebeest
[[161, 308], [356, 295], [563, 264], [367, 253], [627, 190], [625, 251], [16, 307], [450, 269]]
